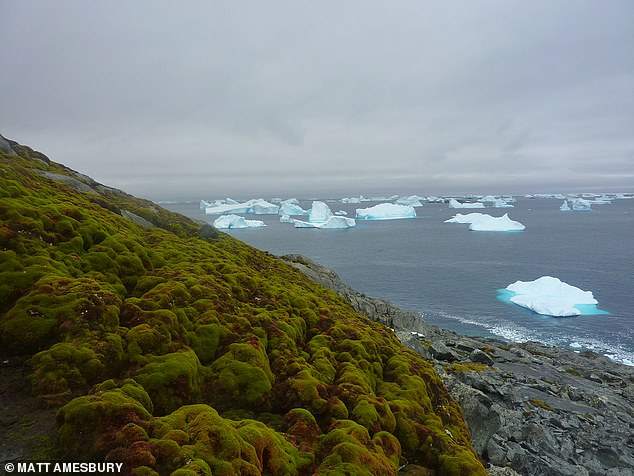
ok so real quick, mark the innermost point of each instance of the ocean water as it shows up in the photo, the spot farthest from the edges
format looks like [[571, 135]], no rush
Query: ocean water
[[452, 276]]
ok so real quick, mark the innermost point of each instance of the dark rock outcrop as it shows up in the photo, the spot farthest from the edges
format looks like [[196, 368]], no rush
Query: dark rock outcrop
[[532, 409]]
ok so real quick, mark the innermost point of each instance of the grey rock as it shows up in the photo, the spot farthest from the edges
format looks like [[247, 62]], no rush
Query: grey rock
[[480, 357], [5, 146], [440, 351]]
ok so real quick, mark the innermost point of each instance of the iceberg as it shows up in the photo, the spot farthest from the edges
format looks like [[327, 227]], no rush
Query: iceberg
[[235, 221], [333, 222], [320, 216], [551, 297], [319, 212], [413, 200], [341, 212], [483, 222], [288, 208], [257, 206], [576, 205], [453, 203], [386, 211], [497, 202]]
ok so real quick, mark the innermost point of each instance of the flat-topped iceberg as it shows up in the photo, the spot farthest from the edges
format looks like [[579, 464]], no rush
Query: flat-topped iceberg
[[484, 222], [551, 297], [453, 203], [333, 222], [386, 211], [236, 221], [257, 206]]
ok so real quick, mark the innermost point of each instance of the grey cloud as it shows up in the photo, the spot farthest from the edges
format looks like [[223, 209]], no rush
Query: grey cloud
[[248, 97]]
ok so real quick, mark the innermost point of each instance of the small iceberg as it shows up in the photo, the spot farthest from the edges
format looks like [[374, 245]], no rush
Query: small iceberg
[[550, 297], [386, 211], [453, 203], [235, 221], [576, 205], [484, 222], [412, 200]]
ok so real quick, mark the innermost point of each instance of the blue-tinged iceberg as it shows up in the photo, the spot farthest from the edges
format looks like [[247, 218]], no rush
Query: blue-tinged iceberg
[[551, 297], [290, 208], [235, 221], [484, 222], [386, 211]]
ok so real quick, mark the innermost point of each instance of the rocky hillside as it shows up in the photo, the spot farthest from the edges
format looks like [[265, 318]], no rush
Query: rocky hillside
[[132, 334], [532, 409]]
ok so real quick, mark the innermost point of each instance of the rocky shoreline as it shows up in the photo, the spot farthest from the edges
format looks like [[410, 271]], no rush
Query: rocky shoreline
[[532, 409]]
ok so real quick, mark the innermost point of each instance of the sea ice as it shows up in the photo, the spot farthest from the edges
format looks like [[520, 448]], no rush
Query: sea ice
[[550, 296], [386, 211], [235, 221], [483, 222], [453, 203]]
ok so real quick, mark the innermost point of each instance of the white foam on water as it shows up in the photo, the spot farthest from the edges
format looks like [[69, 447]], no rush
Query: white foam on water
[[516, 333]]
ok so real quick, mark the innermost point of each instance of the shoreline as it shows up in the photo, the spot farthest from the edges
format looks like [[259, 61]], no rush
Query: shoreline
[[532, 408]]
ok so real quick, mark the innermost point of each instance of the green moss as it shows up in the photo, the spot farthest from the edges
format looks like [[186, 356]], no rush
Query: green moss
[[305, 385], [172, 380], [541, 404]]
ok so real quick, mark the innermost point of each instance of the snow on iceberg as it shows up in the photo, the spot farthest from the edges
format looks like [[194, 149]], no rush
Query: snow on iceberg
[[386, 211], [576, 205], [235, 221], [453, 203], [551, 297], [257, 206], [484, 222]]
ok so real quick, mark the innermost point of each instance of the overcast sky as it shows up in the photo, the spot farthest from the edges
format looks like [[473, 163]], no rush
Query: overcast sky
[[191, 99]]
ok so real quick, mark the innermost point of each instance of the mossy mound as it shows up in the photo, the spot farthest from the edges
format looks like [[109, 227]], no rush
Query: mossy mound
[[181, 350]]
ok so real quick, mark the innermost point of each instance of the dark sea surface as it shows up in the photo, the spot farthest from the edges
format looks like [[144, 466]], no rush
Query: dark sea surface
[[451, 275]]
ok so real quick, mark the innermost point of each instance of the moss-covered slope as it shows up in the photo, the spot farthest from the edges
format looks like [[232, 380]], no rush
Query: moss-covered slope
[[180, 350]]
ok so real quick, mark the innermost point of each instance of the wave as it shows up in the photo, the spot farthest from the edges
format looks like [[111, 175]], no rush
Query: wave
[[514, 332]]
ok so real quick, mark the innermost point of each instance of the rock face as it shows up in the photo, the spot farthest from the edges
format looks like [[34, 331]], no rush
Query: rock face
[[531, 408]]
